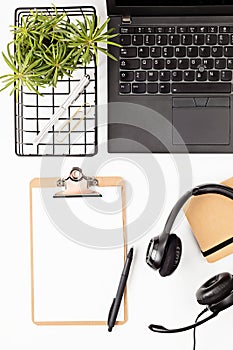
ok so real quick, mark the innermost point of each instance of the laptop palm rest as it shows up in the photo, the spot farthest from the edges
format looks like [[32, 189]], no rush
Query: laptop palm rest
[[201, 121]]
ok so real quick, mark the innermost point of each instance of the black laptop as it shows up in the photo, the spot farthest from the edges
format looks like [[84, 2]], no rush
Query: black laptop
[[171, 88]]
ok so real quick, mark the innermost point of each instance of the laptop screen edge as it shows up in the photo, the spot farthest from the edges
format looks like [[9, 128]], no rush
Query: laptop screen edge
[[214, 10]]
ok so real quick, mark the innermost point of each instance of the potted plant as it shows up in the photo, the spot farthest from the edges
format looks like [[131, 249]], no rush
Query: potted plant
[[46, 47]]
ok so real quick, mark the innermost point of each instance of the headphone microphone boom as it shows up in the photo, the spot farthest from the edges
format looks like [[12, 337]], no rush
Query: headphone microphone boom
[[160, 329]]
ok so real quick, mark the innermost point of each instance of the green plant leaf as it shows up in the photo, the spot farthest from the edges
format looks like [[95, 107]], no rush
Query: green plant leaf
[[101, 29], [107, 53], [9, 63], [6, 86], [48, 46]]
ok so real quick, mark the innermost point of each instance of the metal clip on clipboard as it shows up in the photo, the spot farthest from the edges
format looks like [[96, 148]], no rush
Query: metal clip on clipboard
[[77, 185]]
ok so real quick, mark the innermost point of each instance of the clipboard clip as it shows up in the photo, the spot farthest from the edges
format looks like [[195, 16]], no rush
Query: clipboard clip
[[77, 185]]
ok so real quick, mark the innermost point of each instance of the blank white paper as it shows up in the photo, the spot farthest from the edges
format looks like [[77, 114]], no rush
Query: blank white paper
[[73, 282]]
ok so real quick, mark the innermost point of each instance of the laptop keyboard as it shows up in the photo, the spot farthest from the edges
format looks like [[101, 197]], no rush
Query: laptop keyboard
[[164, 60]]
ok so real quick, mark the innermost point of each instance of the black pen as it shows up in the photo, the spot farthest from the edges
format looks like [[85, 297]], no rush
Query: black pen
[[120, 292]]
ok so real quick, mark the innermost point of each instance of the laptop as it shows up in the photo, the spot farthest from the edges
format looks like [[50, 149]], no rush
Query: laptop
[[170, 89]]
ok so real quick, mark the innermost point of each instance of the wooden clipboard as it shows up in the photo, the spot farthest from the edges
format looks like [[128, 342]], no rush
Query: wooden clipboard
[[51, 183]]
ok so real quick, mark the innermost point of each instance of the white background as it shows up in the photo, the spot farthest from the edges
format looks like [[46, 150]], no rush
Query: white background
[[169, 301]]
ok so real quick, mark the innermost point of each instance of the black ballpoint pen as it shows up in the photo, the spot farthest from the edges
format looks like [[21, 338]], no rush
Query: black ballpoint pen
[[120, 292]]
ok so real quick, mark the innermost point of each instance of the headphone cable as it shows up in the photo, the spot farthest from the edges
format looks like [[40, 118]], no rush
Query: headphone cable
[[194, 329]]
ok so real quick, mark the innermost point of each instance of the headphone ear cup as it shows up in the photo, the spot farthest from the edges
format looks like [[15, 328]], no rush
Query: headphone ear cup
[[215, 289], [222, 305], [171, 256]]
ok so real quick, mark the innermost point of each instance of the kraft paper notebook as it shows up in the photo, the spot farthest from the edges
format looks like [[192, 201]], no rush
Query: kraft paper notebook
[[211, 219], [72, 284]]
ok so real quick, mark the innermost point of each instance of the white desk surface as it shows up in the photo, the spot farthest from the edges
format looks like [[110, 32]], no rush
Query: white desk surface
[[168, 301]]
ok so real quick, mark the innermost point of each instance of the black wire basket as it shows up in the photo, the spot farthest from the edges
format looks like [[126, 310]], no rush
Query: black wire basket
[[32, 111]]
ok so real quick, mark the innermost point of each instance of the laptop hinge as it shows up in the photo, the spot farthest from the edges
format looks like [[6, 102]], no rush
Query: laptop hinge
[[126, 19]]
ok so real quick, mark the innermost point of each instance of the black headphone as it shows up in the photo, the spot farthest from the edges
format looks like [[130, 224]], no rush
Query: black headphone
[[164, 253]]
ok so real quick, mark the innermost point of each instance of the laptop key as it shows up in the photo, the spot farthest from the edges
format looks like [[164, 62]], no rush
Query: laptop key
[[195, 63], [171, 63], [199, 88], [143, 51], [169, 30], [146, 64], [138, 88], [226, 75], [182, 30], [149, 40], [183, 63], [193, 29], [220, 63], [164, 88], [130, 64], [152, 75], [226, 29], [212, 29], [125, 40], [177, 75], [180, 51], [140, 75], [192, 51], [174, 40], [204, 51], [229, 64], [198, 39], [202, 29], [211, 39], [125, 88], [228, 51], [159, 64], [139, 30], [189, 75], [126, 76], [164, 75], [213, 75], [159, 29], [126, 30], [186, 39], [168, 51], [149, 30], [208, 63], [128, 52], [155, 51], [201, 76], [217, 51], [161, 40], [223, 39], [137, 40], [152, 88]]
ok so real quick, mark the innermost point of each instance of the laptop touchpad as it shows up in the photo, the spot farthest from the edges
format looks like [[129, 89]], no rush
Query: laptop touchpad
[[202, 120]]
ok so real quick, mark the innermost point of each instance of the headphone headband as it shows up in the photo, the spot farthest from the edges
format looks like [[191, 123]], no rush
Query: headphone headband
[[196, 191], [213, 188]]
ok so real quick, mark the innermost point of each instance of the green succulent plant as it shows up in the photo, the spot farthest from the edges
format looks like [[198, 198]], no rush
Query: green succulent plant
[[46, 47]]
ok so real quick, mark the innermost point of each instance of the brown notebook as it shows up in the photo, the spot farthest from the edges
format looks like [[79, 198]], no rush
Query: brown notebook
[[211, 219]]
